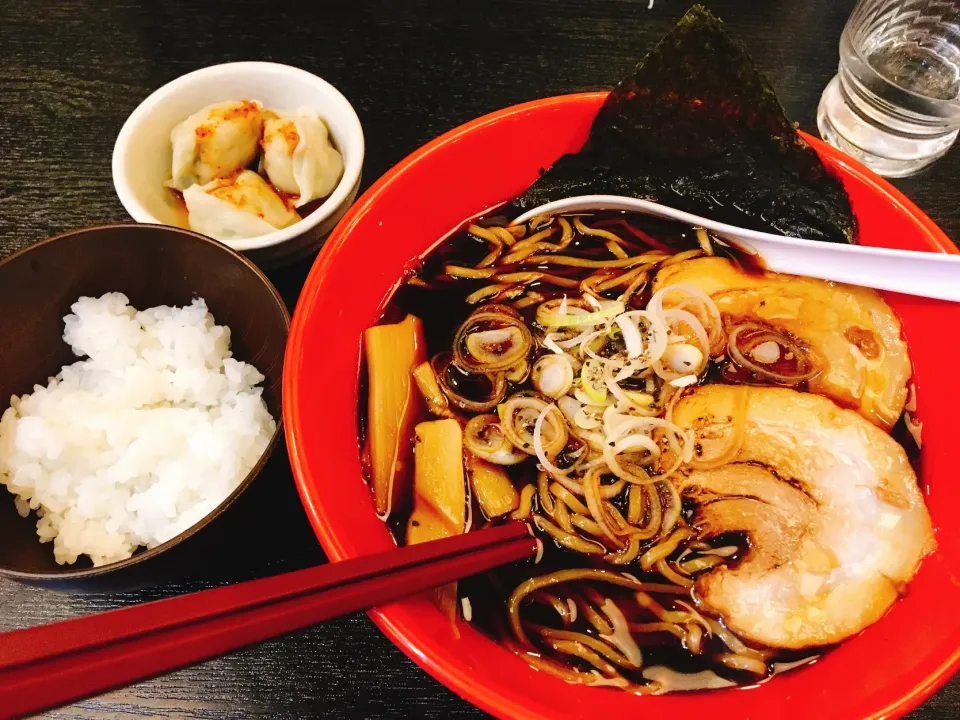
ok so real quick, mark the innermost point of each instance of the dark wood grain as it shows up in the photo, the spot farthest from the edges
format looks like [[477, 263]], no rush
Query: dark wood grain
[[72, 70]]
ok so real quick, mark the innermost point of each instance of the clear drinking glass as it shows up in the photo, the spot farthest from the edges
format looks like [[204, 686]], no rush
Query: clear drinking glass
[[895, 102]]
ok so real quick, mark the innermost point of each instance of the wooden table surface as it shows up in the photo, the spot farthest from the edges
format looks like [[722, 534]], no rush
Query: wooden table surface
[[72, 70]]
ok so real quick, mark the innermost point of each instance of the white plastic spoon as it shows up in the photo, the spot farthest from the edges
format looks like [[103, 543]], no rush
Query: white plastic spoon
[[924, 274]]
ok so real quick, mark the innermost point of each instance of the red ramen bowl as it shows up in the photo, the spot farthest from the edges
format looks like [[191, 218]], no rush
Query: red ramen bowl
[[885, 671]]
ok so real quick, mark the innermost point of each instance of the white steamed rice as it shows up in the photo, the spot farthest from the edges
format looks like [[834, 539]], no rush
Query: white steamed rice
[[138, 442]]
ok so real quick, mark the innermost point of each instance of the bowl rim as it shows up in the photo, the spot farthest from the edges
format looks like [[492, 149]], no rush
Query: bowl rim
[[351, 171], [399, 632], [85, 573]]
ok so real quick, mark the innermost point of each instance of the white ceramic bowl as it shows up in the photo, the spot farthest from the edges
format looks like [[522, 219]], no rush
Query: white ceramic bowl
[[142, 153]]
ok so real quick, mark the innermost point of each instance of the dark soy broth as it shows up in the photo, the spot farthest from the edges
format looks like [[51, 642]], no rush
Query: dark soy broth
[[441, 302]]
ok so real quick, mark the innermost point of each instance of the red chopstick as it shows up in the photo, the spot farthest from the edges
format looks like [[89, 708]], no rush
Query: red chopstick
[[52, 665]]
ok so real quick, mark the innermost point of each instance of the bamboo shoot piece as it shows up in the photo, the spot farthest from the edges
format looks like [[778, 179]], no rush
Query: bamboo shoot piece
[[393, 408], [429, 387], [439, 494], [492, 488]]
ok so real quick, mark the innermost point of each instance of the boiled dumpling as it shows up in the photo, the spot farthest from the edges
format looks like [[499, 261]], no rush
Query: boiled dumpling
[[215, 142], [242, 206], [297, 154]]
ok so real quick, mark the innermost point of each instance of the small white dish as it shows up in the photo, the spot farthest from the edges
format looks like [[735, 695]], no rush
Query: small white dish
[[142, 153]]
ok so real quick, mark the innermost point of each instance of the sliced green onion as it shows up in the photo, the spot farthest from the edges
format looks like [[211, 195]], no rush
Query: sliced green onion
[[607, 310]]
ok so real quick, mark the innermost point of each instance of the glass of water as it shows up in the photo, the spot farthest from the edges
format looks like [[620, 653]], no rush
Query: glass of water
[[894, 105]]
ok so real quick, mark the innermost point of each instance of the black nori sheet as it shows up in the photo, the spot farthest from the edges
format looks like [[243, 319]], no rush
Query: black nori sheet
[[697, 127]]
